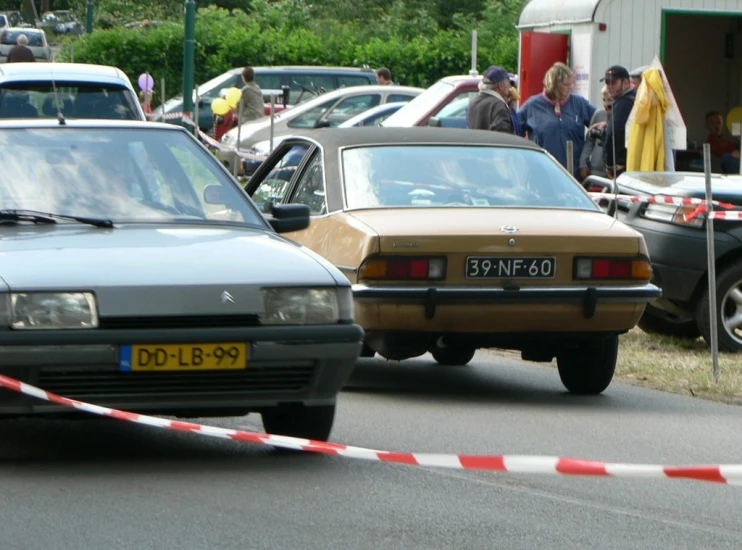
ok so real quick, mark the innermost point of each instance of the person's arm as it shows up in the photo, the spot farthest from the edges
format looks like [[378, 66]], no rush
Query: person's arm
[[500, 118]]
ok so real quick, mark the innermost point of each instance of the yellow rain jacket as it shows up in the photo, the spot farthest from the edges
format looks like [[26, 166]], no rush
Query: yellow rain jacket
[[646, 149]]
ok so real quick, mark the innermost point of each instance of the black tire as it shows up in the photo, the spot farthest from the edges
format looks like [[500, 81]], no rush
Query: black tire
[[659, 321], [729, 280], [300, 421], [455, 356], [587, 367]]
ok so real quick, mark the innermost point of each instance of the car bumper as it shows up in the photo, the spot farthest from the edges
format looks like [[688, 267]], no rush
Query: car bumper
[[497, 309], [286, 365]]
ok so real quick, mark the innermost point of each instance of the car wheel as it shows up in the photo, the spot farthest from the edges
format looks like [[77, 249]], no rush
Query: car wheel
[[300, 421], [588, 367], [658, 321], [728, 309], [455, 356]]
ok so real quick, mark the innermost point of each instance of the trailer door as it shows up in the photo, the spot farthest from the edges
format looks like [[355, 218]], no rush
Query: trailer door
[[539, 51]]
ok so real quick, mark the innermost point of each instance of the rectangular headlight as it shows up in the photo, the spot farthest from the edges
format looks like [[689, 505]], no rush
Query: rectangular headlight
[[53, 310], [300, 306], [671, 213]]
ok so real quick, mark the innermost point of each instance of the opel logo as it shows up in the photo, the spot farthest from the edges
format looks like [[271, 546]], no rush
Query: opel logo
[[508, 228], [227, 298]]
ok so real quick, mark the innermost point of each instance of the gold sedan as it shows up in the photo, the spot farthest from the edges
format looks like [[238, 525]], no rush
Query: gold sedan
[[456, 240]]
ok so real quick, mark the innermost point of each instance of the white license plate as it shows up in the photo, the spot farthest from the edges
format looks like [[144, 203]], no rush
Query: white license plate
[[495, 267]]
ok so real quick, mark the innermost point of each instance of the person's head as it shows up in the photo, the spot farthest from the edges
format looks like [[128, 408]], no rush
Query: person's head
[[22, 40], [248, 75], [559, 81], [384, 76], [636, 76], [606, 97], [617, 80], [715, 123], [498, 79]]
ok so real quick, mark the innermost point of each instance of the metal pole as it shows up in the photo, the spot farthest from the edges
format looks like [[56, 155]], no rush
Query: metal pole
[[162, 101], [89, 17], [189, 44], [571, 157], [273, 108], [236, 162], [473, 71], [195, 114], [713, 316]]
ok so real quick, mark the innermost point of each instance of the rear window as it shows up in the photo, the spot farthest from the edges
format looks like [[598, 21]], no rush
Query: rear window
[[73, 99], [11, 38]]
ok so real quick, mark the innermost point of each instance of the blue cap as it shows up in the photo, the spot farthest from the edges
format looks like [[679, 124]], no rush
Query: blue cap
[[496, 74]]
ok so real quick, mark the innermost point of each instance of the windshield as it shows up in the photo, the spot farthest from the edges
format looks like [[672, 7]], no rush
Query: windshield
[[457, 175], [73, 99], [417, 108], [125, 175], [11, 37]]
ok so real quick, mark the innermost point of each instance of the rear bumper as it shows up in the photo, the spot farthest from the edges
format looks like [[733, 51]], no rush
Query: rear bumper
[[497, 309], [286, 365]]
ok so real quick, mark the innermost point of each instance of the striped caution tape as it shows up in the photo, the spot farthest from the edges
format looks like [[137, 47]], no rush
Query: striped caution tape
[[661, 199], [517, 464]]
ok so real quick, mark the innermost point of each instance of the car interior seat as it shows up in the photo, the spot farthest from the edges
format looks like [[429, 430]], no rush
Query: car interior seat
[[17, 106]]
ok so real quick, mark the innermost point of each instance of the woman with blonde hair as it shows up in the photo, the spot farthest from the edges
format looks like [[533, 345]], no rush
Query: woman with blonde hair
[[557, 116]]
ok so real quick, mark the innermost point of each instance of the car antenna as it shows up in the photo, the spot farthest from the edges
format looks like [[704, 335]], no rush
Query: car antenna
[[57, 102]]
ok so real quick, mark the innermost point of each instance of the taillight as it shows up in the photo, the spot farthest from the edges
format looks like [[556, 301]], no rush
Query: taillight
[[410, 268], [613, 268]]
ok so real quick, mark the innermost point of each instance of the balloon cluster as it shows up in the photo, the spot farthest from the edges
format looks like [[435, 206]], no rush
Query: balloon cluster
[[221, 106]]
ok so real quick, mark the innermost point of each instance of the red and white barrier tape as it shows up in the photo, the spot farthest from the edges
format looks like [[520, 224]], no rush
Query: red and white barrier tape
[[519, 464], [661, 199]]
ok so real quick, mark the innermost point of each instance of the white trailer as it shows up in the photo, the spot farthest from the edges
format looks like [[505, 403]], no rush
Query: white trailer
[[698, 41]]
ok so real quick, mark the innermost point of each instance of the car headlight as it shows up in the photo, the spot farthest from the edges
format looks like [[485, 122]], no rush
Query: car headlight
[[53, 310], [670, 213], [306, 306]]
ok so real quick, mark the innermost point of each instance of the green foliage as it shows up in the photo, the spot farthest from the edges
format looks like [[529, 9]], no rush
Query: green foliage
[[405, 35]]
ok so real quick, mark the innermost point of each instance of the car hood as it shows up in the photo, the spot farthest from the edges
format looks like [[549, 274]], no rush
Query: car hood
[[159, 270], [682, 184]]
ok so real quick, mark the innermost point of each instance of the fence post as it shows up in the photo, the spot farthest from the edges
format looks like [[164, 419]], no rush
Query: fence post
[[273, 108], [236, 167], [711, 258], [571, 157]]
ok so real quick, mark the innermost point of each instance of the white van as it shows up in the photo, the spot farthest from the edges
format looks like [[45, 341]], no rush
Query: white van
[[74, 90]]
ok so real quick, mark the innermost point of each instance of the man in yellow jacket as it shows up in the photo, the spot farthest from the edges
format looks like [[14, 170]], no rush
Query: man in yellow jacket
[[646, 150]]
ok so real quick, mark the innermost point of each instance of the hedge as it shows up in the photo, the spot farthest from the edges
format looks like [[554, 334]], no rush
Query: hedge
[[226, 40]]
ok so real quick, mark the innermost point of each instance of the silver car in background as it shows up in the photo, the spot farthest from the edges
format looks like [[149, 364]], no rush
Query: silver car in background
[[137, 274], [37, 43]]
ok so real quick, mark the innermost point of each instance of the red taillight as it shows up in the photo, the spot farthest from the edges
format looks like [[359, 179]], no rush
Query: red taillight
[[612, 268], [403, 268]]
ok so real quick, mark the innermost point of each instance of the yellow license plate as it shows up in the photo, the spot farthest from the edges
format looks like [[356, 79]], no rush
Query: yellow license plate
[[159, 357]]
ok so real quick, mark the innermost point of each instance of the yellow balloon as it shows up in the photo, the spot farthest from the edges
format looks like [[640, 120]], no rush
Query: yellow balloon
[[233, 97], [220, 106], [734, 116]]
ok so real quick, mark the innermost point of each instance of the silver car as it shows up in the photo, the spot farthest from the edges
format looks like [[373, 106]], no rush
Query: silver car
[[137, 274], [37, 43]]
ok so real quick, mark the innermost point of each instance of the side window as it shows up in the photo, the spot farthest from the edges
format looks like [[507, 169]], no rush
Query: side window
[[268, 81], [275, 186], [235, 81], [348, 80], [311, 187], [394, 98], [310, 118], [457, 106], [351, 106], [312, 82]]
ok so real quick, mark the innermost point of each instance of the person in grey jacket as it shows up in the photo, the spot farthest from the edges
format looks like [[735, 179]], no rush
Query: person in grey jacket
[[489, 109], [253, 106], [591, 159]]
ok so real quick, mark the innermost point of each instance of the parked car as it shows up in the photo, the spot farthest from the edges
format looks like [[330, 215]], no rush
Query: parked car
[[424, 109], [61, 22], [328, 110], [304, 83], [15, 19], [129, 279], [463, 239], [76, 90], [4, 22], [677, 245], [37, 42]]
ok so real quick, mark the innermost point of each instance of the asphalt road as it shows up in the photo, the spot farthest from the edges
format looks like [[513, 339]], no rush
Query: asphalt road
[[106, 484]]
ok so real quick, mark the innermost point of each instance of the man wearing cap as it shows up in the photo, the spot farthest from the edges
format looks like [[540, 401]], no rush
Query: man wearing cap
[[618, 82], [490, 108]]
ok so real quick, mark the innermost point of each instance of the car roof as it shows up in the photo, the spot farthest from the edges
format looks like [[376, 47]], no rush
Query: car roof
[[14, 72], [76, 123], [24, 30], [375, 135]]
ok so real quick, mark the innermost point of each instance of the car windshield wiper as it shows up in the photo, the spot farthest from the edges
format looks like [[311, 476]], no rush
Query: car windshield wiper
[[47, 217]]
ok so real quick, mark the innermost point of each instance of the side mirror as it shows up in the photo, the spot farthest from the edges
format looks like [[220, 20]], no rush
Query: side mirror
[[322, 124], [213, 194], [289, 217], [433, 121], [286, 95]]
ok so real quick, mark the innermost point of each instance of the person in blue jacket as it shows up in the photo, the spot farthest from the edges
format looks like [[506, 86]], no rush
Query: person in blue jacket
[[557, 116]]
